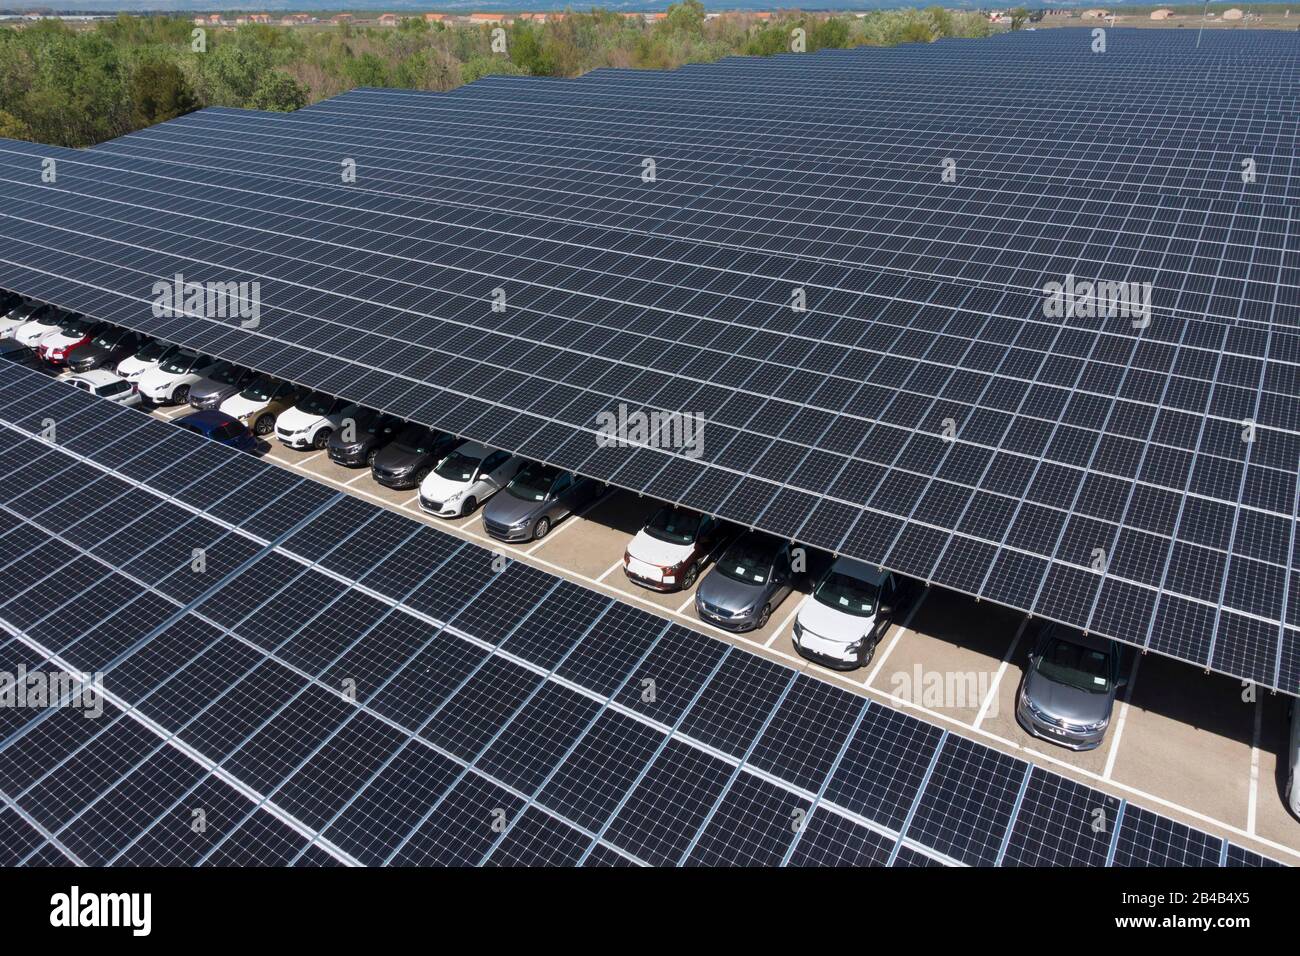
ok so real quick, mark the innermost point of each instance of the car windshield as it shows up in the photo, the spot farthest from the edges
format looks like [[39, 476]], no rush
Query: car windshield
[[417, 440], [674, 525], [1074, 665], [105, 341], [532, 482], [749, 561], [226, 374], [75, 327], [847, 594], [316, 404], [259, 391], [151, 351], [458, 467], [180, 362]]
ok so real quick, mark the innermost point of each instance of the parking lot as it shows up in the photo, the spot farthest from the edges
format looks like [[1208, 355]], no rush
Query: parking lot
[[1188, 744]]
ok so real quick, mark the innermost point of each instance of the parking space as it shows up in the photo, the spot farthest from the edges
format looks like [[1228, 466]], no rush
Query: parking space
[[1182, 742]]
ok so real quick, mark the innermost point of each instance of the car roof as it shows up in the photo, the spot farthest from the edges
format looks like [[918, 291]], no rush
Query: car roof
[[209, 418], [1091, 641], [472, 449], [97, 376], [860, 570]]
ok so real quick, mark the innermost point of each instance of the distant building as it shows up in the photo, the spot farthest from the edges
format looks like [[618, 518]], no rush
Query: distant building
[[1164, 13], [1233, 14], [1094, 14], [490, 18], [259, 18], [388, 19], [435, 17]]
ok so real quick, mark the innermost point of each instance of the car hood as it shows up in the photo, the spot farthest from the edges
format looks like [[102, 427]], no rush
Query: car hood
[[91, 352], [133, 368], [836, 626], [154, 376], [1065, 702], [436, 488], [664, 554], [395, 459], [236, 406], [60, 341], [722, 591], [206, 388], [506, 509], [292, 420], [33, 331]]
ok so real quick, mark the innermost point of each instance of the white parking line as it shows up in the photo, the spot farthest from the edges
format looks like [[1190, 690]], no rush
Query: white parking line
[[899, 631], [997, 678], [685, 604], [608, 571], [308, 460], [365, 473], [1254, 766], [1118, 732], [782, 626]]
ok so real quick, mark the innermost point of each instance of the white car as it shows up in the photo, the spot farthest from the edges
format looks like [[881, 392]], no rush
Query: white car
[[150, 354], [41, 323], [312, 420], [465, 479], [852, 605], [19, 315], [107, 385], [170, 380]]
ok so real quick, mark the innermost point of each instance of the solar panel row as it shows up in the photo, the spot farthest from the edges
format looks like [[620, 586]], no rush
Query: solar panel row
[[867, 344], [292, 676]]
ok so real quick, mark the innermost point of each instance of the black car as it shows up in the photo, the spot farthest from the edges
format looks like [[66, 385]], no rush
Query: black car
[[411, 456], [358, 445], [105, 350]]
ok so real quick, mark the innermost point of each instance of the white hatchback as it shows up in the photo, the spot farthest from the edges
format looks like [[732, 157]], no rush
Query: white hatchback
[[312, 420], [839, 624], [18, 316], [465, 479], [107, 385], [170, 380]]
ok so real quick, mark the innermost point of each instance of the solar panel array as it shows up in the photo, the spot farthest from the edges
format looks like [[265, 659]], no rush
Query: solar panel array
[[1132, 476], [290, 675]]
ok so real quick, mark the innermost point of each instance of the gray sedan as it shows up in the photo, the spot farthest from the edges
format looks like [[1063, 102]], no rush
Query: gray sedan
[[537, 498], [751, 579], [1068, 692]]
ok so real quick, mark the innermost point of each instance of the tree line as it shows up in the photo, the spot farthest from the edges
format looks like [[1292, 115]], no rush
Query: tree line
[[72, 86]]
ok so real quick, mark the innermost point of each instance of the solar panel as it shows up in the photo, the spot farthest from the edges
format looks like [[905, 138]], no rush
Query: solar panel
[[921, 409], [356, 729]]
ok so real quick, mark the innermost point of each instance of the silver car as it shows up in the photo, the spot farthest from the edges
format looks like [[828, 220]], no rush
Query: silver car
[[749, 581], [224, 380], [1068, 691], [537, 498]]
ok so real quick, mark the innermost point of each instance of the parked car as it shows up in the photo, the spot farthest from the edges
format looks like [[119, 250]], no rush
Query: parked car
[[39, 324], [407, 459], [360, 437], [1293, 763], [219, 427], [11, 351], [535, 500], [16, 316], [106, 384], [105, 350], [751, 579], [672, 549], [9, 300], [312, 420], [148, 356], [73, 334], [1068, 690], [260, 403], [849, 610], [465, 479], [169, 381], [221, 381]]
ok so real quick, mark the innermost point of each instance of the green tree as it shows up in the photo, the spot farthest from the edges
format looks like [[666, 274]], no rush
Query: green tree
[[278, 91], [1018, 17], [160, 92]]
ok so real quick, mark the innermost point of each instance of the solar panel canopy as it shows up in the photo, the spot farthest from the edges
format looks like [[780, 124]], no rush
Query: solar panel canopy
[[339, 684], [840, 264]]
